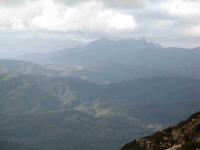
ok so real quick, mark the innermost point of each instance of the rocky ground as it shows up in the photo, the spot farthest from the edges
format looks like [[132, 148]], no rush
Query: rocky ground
[[183, 136]]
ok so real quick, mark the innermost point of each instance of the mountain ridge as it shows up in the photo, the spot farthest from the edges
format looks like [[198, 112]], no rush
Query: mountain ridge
[[126, 59], [183, 136]]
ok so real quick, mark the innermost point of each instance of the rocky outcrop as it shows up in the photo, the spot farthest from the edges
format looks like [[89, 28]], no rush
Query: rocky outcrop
[[183, 136]]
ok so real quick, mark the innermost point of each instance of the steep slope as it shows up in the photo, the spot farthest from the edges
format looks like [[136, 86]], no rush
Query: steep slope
[[183, 136], [160, 99], [72, 130], [40, 93], [20, 94]]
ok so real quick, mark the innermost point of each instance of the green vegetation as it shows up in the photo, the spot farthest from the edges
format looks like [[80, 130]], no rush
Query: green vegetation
[[57, 112]]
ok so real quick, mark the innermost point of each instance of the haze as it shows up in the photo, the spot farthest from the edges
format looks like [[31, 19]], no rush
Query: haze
[[35, 23]]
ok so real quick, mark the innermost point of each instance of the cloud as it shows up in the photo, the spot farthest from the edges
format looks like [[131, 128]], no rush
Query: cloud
[[18, 17], [13, 2], [110, 3], [189, 12], [193, 30], [168, 22], [162, 25], [183, 8], [48, 15], [113, 3]]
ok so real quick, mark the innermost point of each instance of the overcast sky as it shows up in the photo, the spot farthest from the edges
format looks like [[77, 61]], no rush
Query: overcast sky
[[169, 22]]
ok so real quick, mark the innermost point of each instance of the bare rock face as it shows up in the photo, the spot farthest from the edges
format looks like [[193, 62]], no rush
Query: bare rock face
[[183, 136]]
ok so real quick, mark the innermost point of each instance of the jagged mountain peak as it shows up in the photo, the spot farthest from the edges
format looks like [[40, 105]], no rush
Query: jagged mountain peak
[[100, 42], [104, 41]]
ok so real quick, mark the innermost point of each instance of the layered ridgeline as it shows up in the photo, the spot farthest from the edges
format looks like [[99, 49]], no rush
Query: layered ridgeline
[[183, 136], [25, 67], [114, 61], [42, 106], [160, 100], [40, 112]]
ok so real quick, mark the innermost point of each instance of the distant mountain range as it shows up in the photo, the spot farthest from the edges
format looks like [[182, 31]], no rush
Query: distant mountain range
[[95, 97], [125, 59], [183, 136]]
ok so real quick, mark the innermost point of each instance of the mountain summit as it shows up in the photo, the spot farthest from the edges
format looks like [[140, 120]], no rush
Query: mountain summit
[[183, 136]]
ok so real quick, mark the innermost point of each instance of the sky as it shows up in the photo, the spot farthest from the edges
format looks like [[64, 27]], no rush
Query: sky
[[168, 22]]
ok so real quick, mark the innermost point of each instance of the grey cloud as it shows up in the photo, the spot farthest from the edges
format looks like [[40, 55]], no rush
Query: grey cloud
[[13, 2], [114, 3], [146, 19], [109, 3], [129, 3], [171, 36]]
